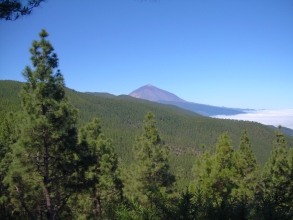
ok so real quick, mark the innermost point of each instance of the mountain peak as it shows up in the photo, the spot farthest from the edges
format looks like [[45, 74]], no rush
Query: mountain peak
[[152, 93]]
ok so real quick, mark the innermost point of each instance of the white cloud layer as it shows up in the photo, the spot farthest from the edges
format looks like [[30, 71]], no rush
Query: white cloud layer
[[282, 117]]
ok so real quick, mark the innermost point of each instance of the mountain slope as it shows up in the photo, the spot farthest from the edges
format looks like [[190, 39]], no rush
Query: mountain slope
[[122, 119], [285, 130], [152, 93], [155, 94]]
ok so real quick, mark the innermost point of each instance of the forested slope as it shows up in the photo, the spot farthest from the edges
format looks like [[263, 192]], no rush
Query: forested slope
[[122, 117]]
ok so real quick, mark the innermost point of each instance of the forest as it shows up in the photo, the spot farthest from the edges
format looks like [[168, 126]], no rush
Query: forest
[[64, 155]]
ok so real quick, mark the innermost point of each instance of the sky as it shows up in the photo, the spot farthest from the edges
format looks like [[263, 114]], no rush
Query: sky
[[224, 53]]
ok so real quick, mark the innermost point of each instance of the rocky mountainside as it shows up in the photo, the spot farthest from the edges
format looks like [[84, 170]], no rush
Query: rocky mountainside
[[152, 93]]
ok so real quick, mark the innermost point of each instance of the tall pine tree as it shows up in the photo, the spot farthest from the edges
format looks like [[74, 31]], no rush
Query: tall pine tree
[[48, 164]]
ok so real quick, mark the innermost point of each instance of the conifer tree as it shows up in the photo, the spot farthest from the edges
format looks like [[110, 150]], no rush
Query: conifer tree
[[215, 178], [150, 180], [223, 182], [104, 188], [246, 173], [248, 158], [275, 190], [48, 164]]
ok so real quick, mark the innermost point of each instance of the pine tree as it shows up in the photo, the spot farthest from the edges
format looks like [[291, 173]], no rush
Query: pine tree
[[104, 188], [149, 181], [246, 173], [48, 165], [275, 189], [246, 158], [215, 177]]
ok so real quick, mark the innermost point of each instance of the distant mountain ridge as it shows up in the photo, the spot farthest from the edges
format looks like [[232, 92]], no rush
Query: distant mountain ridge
[[206, 110], [152, 93]]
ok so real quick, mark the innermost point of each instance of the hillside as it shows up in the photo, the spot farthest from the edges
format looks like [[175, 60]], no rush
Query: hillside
[[285, 130], [122, 116]]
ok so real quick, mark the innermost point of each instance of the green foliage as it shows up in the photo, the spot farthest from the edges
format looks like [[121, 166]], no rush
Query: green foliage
[[275, 188], [215, 173], [103, 191], [10, 101], [183, 131], [245, 157], [226, 180], [150, 180], [9, 134], [47, 165], [284, 130]]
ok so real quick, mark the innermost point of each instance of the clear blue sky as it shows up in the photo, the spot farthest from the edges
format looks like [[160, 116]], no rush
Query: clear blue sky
[[233, 53]]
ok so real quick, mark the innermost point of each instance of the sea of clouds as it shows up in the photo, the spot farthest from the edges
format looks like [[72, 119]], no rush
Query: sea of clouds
[[282, 117]]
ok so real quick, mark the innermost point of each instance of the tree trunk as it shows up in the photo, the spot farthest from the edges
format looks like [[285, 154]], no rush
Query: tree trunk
[[99, 208], [51, 212]]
